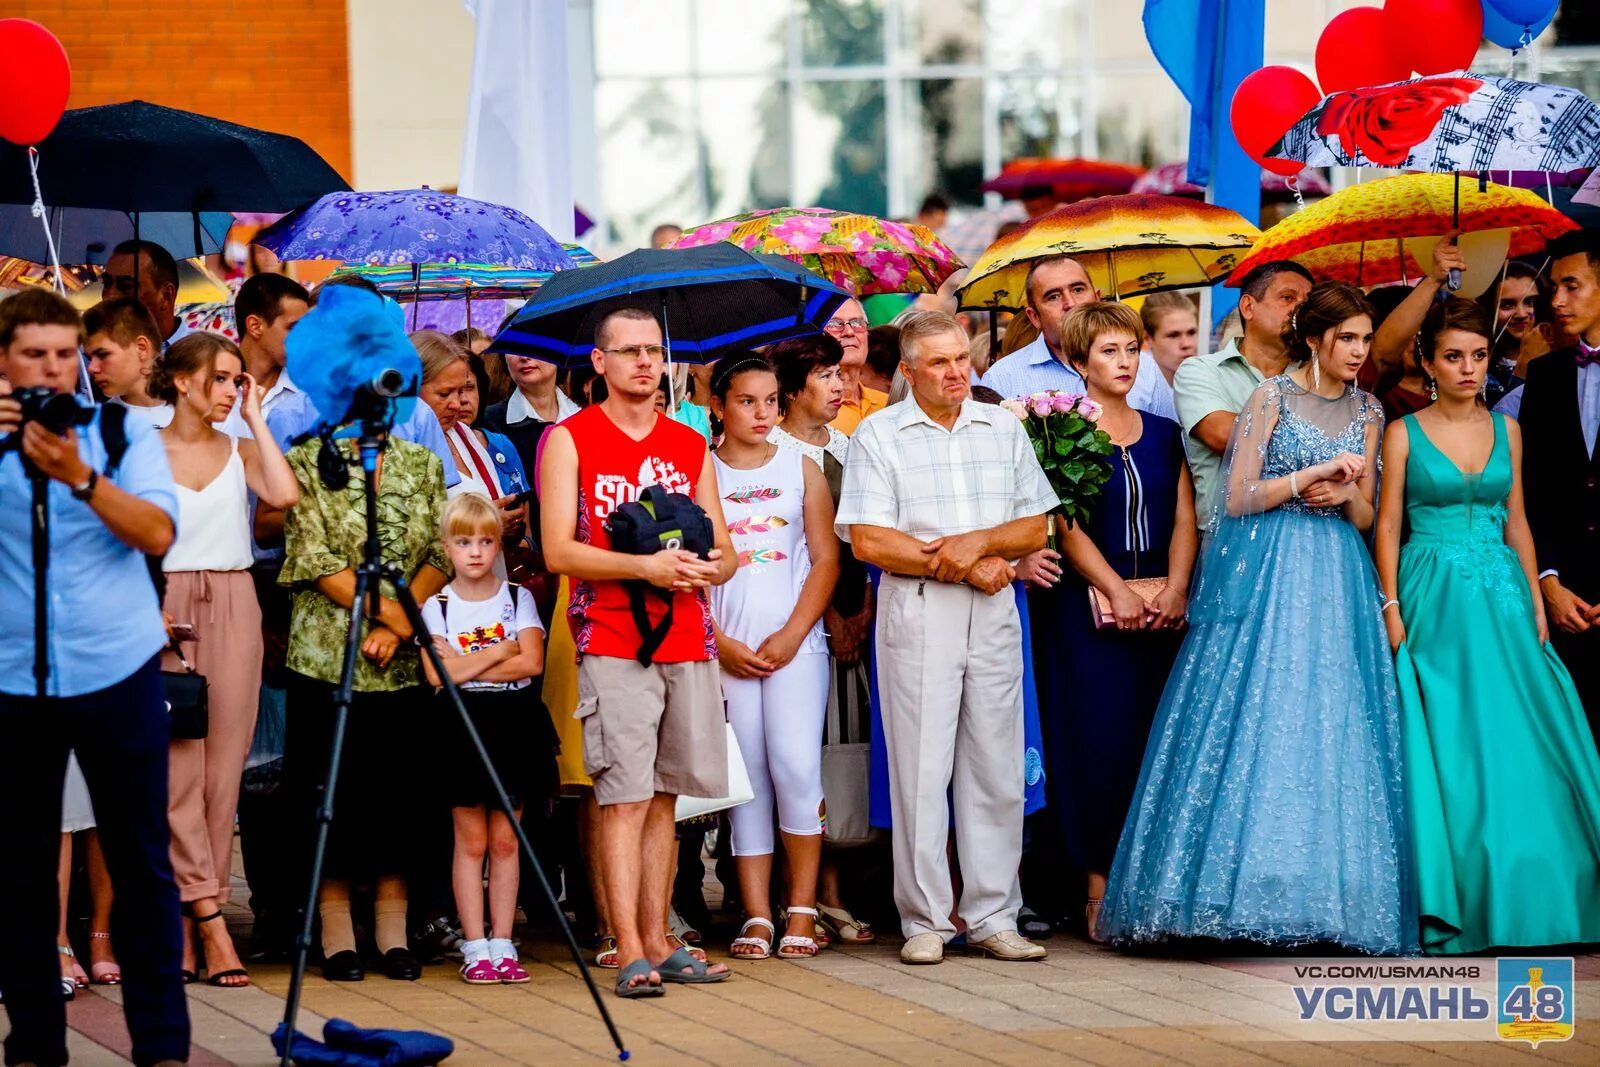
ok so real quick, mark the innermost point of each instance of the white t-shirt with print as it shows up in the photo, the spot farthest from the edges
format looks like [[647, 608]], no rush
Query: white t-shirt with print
[[471, 625]]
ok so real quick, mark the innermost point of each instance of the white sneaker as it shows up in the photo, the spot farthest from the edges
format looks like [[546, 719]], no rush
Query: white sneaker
[[1007, 945], [922, 948]]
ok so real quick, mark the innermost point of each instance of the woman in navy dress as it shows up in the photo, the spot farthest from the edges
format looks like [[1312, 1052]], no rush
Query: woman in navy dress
[[1099, 686]]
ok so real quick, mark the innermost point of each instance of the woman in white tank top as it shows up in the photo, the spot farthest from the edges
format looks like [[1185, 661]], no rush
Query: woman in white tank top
[[208, 587]]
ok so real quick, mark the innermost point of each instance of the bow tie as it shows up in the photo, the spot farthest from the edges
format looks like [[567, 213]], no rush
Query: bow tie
[[1587, 355]]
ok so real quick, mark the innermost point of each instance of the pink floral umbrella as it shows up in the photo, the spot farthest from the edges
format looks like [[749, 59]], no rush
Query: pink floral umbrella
[[862, 253]]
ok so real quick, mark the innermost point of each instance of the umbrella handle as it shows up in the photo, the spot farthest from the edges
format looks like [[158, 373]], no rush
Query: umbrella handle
[[1455, 224]]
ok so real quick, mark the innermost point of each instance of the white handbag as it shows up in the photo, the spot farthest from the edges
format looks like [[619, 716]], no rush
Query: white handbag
[[739, 790], [847, 760]]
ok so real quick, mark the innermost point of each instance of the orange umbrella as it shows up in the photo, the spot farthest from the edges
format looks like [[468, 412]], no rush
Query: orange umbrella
[[1069, 179], [1383, 231], [1130, 244]]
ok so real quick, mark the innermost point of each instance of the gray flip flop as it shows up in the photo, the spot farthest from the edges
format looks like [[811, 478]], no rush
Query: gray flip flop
[[672, 970], [638, 968]]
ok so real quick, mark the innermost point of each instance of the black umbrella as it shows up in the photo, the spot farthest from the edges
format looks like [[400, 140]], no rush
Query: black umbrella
[[139, 157], [712, 297]]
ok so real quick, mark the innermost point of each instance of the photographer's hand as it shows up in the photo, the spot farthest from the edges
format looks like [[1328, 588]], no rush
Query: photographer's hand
[[10, 410], [56, 457]]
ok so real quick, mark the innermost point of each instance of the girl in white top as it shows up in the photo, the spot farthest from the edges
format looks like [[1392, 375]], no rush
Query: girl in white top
[[773, 652], [492, 641], [210, 589]]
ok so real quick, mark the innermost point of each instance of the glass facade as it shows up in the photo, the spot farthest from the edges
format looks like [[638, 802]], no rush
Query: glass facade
[[706, 108]]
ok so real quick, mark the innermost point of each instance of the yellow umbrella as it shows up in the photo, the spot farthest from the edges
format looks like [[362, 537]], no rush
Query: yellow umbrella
[[1135, 243], [1384, 231]]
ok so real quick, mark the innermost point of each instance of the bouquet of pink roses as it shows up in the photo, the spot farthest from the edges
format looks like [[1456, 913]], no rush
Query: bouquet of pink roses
[[1070, 446]]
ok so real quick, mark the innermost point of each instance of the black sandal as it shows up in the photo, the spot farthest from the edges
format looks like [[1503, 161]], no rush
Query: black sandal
[[219, 979]]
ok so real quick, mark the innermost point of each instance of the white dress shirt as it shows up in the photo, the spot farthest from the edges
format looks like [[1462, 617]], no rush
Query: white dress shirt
[[518, 408], [908, 473]]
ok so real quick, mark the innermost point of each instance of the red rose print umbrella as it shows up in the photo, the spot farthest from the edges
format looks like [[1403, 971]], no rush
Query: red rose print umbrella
[[1450, 122]]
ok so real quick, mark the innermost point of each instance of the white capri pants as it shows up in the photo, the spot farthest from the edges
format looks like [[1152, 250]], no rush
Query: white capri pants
[[778, 722]]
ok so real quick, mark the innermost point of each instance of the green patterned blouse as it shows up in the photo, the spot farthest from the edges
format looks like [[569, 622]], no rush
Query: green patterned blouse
[[324, 534]]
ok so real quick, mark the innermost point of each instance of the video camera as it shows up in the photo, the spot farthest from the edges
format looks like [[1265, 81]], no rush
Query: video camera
[[56, 412]]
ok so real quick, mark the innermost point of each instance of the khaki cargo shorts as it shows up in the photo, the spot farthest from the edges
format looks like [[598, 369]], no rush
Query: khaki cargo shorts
[[655, 729]]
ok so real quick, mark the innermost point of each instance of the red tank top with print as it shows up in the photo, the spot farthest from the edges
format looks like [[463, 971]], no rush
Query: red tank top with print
[[613, 469]]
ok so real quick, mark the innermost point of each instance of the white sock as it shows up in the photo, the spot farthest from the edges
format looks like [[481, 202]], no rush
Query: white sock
[[501, 948], [473, 951]]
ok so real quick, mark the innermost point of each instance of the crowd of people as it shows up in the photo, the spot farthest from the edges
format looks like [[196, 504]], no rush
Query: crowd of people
[[1324, 642]]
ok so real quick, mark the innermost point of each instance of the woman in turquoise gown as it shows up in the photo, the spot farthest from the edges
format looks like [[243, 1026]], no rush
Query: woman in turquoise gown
[[1503, 781], [1270, 805]]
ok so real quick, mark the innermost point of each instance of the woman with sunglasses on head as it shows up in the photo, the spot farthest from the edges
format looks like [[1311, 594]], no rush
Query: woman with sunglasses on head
[[209, 592]]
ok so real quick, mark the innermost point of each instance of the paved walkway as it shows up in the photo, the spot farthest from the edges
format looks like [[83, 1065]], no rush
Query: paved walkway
[[858, 1006]]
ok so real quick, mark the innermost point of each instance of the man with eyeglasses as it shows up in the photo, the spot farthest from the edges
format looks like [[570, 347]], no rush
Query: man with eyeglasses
[[146, 272], [849, 327], [653, 723]]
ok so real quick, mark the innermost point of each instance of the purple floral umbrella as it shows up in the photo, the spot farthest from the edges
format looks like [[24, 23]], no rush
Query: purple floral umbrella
[[413, 227]]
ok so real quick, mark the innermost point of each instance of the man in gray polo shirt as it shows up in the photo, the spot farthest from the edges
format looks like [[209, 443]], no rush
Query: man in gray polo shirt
[[1210, 390]]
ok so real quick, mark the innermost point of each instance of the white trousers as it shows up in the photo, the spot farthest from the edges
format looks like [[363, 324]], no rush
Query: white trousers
[[778, 722], [949, 663]]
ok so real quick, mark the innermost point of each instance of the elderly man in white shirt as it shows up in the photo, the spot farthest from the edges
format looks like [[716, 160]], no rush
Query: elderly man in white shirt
[[943, 493]]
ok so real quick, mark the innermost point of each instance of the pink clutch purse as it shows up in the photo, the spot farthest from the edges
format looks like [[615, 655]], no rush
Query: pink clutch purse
[[1100, 605]]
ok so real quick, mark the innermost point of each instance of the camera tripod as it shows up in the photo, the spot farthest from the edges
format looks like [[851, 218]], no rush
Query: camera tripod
[[371, 571]]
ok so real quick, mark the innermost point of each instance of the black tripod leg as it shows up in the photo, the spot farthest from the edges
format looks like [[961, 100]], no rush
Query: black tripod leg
[[341, 715], [424, 640]]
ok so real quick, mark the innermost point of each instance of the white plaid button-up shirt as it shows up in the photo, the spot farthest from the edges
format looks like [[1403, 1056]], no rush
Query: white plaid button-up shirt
[[908, 473]]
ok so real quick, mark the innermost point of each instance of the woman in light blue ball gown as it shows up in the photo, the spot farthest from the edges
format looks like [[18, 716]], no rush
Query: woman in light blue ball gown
[[1270, 805]]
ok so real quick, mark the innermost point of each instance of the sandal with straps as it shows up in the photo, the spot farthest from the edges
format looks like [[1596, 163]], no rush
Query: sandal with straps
[[845, 927], [1091, 916], [763, 945], [605, 954], [676, 942], [69, 982], [804, 947], [106, 972], [220, 979]]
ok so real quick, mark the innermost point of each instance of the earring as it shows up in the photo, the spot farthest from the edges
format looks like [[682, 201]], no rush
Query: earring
[[1316, 370], [1433, 389]]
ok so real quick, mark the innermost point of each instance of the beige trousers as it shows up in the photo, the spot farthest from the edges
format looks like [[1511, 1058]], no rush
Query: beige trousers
[[949, 663], [204, 776]]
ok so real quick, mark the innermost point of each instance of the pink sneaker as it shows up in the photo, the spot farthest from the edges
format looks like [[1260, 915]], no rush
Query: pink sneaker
[[481, 972], [511, 972]]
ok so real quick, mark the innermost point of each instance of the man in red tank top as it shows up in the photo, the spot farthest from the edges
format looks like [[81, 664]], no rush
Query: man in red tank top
[[650, 732]]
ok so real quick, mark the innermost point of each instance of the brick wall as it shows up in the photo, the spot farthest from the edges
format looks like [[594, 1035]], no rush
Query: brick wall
[[280, 65]]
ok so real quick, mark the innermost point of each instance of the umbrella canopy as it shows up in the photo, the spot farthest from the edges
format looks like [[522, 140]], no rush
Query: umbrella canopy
[[87, 235], [413, 226], [1070, 179], [453, 281], [861, 253], [1360, 234], [1171, 179], [144, 157], [1129, 244], [1451, 122], [713, 297]]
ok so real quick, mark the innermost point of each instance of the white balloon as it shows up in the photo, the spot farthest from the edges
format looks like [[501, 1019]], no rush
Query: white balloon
[[1485, 252]]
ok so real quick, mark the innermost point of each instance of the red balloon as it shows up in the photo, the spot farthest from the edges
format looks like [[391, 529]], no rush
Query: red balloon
[[34, 81], [1354, 52], [1434, 36], [1265, 105]]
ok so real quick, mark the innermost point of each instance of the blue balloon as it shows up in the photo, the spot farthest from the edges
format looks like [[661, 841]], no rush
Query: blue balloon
[[1505, 21]]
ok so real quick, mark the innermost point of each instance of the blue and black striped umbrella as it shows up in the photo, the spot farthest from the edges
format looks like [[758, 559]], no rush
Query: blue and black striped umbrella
[[710, 298]]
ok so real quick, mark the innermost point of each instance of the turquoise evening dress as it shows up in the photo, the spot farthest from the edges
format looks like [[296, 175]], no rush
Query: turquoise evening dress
[[1502, 777]]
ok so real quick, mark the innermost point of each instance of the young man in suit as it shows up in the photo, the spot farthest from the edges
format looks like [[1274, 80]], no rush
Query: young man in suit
[[1561, 468]]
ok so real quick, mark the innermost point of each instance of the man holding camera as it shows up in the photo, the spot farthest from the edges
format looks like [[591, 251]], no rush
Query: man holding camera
[[652, 719], [102, 690]]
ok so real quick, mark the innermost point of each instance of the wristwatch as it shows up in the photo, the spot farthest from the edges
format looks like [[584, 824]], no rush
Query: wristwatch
[[86, 490]]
